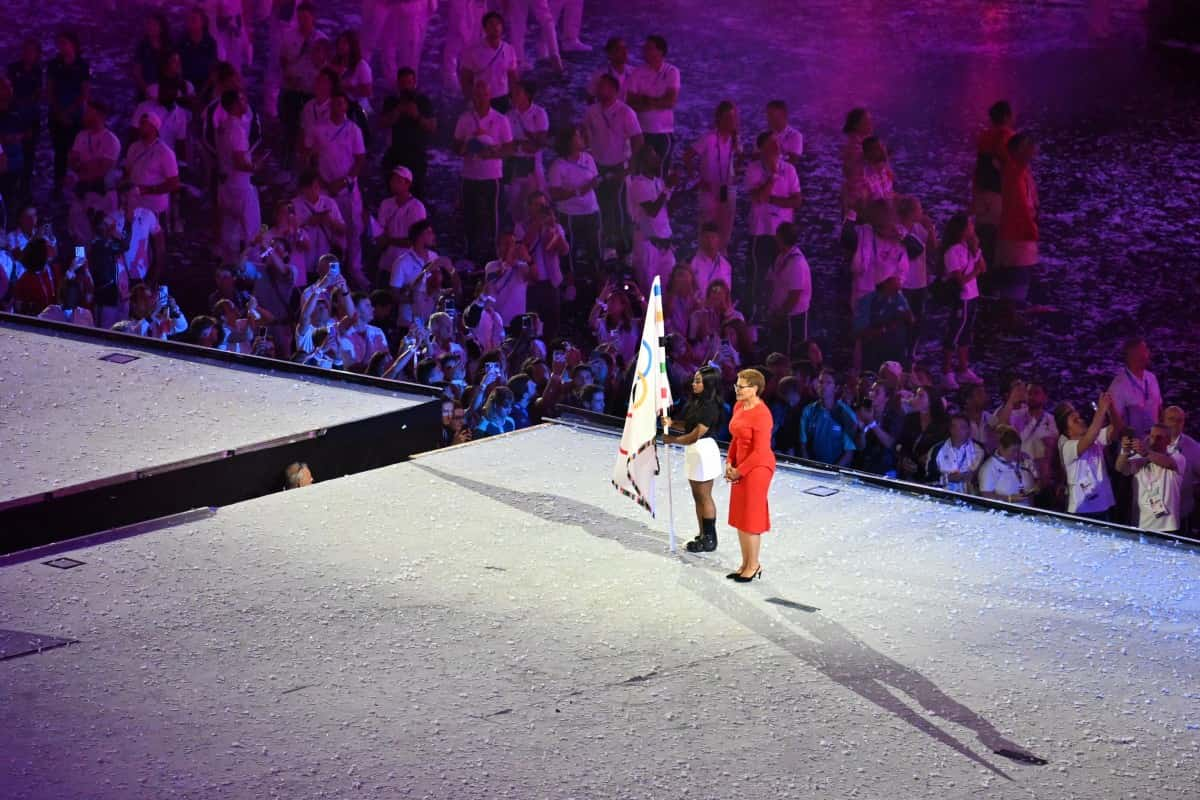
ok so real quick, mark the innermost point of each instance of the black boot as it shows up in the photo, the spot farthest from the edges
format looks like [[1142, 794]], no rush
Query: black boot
[[707, 541]]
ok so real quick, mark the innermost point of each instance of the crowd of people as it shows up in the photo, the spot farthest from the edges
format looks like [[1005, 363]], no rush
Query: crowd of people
[[565, 224]]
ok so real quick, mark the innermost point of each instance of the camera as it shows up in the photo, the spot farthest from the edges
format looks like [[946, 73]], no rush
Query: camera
[[527, 323]]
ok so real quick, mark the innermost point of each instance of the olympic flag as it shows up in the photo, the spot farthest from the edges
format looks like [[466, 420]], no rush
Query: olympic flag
[[649, 398]]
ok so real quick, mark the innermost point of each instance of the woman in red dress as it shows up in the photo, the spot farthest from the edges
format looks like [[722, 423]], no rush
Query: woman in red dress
[[749, 468]]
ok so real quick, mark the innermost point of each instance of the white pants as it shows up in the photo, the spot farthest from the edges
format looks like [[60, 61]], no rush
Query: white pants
[[464, 24], [571, 12], [404, 26], [237, 201], [516, 17]]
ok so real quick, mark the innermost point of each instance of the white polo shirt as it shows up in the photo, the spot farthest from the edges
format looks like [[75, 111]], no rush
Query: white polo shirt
[[791, 141], [137, 257], [573, 176], [655, 83], [959, 259], [490, 64], [320, 238], [408, 267], [1007, 478], [1034, 432], [609, 131], [1089, 488], [1138, 400], [523, 124], [397, 219], [792, 274], [965, 458], [336, 146], [508, 286], [765, 218], [708, 270], [493, 125], [313, 114], [103, 144], [646, 190], [545, 266], [149, 165]]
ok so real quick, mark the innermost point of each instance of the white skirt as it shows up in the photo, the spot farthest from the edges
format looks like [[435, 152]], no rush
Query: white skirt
[[702, 460]]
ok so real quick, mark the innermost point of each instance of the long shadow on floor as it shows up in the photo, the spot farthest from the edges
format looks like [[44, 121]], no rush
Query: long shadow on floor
[[828, 647]]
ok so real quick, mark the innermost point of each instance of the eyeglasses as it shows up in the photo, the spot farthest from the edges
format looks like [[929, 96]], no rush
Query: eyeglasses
[[742, 386]]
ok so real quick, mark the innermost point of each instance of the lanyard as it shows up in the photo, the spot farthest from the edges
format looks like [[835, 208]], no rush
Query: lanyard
[[1143, 384]]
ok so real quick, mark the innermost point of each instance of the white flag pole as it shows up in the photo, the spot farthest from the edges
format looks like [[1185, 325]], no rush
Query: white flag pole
[[670, 494]]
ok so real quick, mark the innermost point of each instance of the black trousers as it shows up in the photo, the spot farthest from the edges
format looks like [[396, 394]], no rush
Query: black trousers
[[291, 106], [62, 137], [583, 236], [664, 145], [615, 225], [763, 251], [481, 218], [542, 298]]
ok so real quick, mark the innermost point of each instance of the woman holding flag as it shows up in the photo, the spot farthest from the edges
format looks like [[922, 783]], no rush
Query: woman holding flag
[[702, 458], [749, 468]]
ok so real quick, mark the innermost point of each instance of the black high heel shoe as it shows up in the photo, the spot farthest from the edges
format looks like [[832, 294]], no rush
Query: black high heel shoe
[[738, 578]]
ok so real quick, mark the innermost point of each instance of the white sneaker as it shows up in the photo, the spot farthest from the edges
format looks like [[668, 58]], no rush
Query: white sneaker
[[968, 376], [575, 46], [949, 383]]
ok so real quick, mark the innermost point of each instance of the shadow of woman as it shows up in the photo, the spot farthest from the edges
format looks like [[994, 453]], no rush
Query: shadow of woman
[[824, 645]]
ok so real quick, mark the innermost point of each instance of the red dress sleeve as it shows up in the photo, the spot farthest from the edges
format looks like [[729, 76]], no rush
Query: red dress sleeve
[[760, 454]]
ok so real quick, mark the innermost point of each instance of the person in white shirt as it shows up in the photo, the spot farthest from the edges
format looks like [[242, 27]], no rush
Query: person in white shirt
[[618, 67], [962, 263], [1081, 448], [491, 60], [572, 183], [1175, 418], [715, 157], [340, 158], [396, 217], [152, 171], [614, 135], [919, 237], [319, 109], [1009, 474], [482, 137], [709, 263], [516, 12], [237, 197], [649, 195], [653, 92], [145, 254], [790, 140], [92, 161], [959, 457], [523, 172], [319, 218], [546, 242], [231, 29], [507, 277], [404, 25], [412, 273], [354, 71], [1024, 410], [462, 27], [359, 339], [1157, 477], [774, 190], [1134, 388], [298, 68], [791, 291]]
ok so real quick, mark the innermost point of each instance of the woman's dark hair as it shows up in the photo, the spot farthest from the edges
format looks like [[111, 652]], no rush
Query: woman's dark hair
[[659, 42], [377, 363], [956, 229], [1000, 112], [853, 119], [35, 255], [488, 17], [628, 318], [519, 384], [1062, 417], [198, 326], [499, 395], [425, 369], [529, 87], [335, 79], [564, 138], [589, 392], [351, 37], [788, 233], [418, 227], [712, 384]]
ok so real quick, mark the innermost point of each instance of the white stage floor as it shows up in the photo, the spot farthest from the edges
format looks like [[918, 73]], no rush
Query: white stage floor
[[495, 621], [70, 418]]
